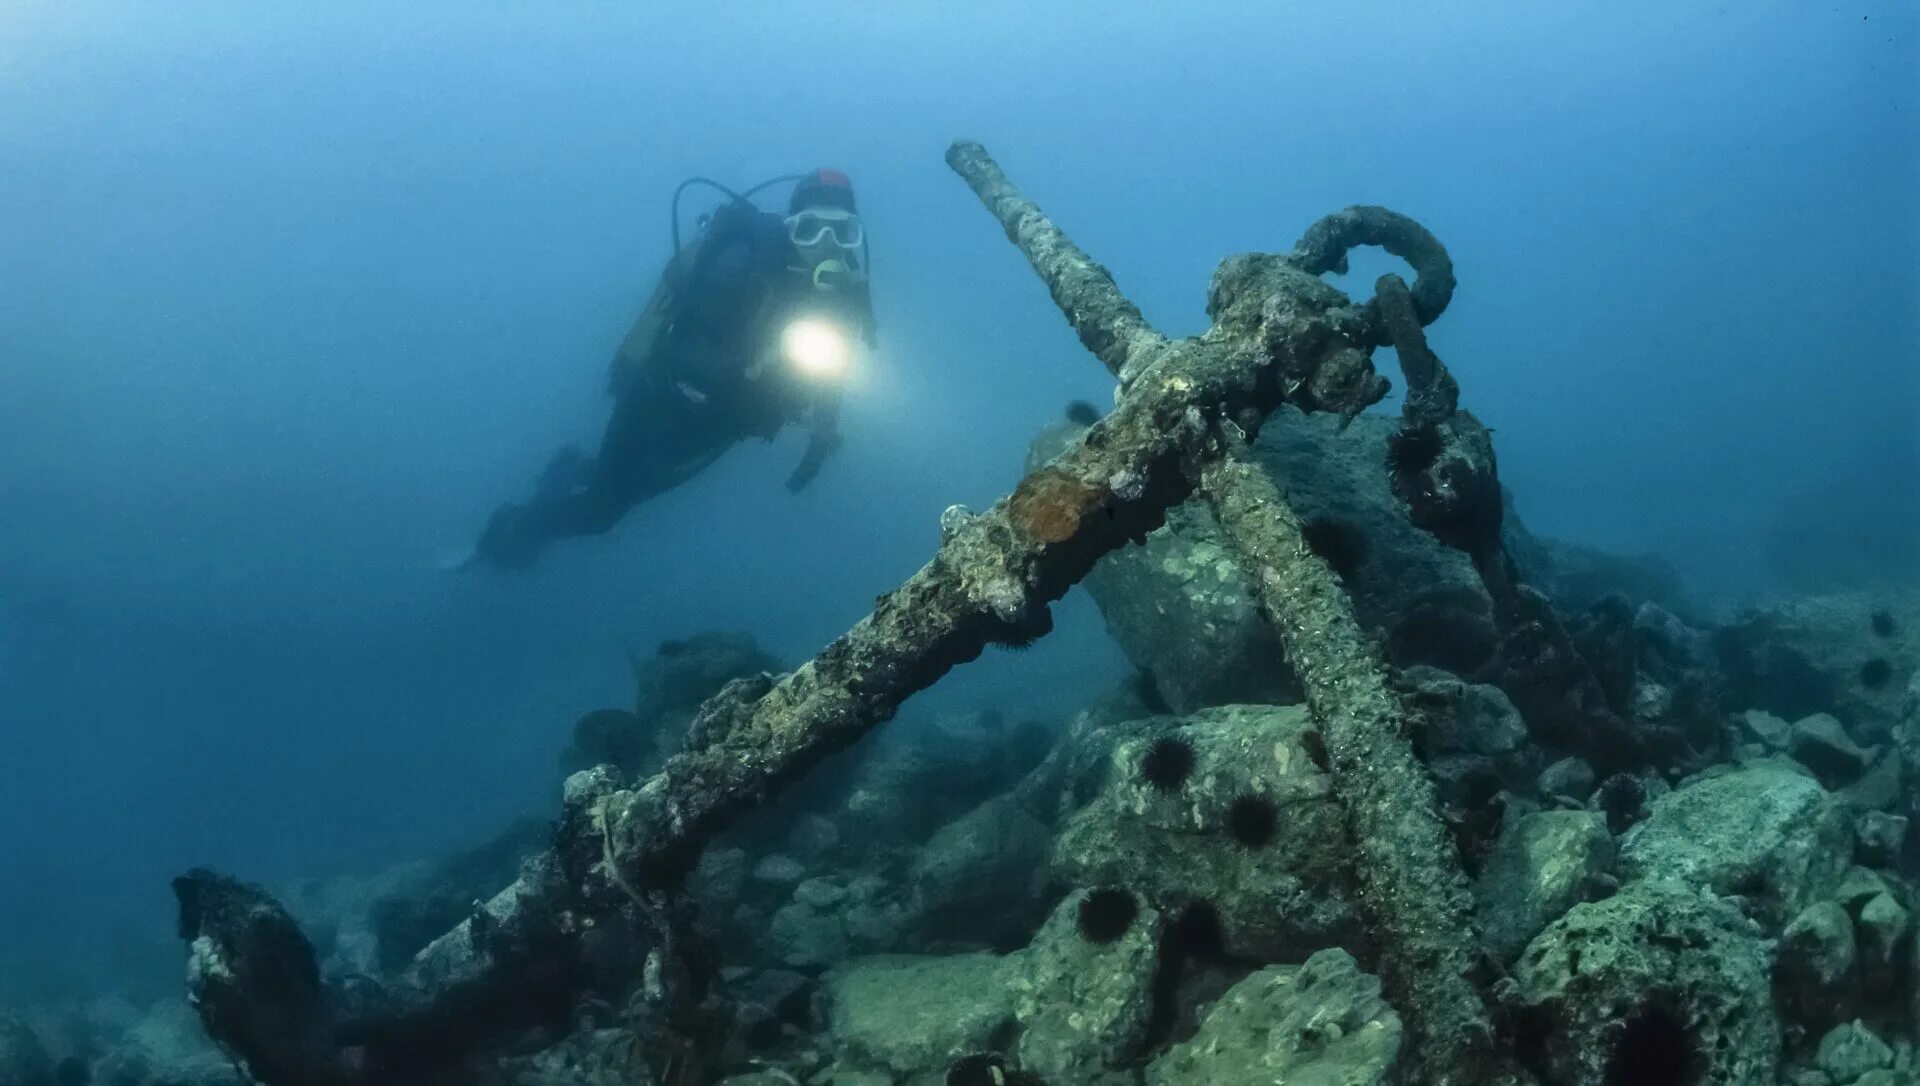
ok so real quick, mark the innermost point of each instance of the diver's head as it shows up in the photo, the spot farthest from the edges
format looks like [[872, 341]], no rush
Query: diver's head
[[825, 229]]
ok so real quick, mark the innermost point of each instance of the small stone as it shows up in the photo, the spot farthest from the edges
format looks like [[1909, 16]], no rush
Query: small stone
[[820, 893], [1858, 886], [803, 937], [1822, 745], [814, 835], [1569, 777], [1879, 838], [873, 928], [1851, 1050], [1765, 729], [779, 869], [1815, 961], [1883, 923], [1878, 789], [783, 992]]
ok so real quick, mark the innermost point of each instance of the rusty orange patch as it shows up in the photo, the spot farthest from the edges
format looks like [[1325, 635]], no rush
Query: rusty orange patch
[[1049, 505]]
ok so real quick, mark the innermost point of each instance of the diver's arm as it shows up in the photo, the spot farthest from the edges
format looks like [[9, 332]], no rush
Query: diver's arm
[[823, 440]]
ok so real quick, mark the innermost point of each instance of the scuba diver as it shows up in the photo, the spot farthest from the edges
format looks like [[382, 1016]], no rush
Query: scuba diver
[[752, 326]]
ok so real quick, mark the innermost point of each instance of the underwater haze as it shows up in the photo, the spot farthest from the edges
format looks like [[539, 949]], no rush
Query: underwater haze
[[291, 296]]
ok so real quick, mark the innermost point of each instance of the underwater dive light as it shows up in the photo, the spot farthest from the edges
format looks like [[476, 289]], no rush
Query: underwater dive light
[[816, 348]]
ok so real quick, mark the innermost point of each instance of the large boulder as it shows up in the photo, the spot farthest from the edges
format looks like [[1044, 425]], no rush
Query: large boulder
[[1659, 983], [1182, 609], [1850, 655], [975, 879], [1224, 813], [1318, 1023], [1423, 598], [1766, 831]]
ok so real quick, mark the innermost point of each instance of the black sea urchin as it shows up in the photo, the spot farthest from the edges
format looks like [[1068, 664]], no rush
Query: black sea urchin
[[1166, 763], [1253, 820], [1106, 914]]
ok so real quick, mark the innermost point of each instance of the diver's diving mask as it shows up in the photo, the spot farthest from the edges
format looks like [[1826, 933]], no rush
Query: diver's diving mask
[[815, 227]]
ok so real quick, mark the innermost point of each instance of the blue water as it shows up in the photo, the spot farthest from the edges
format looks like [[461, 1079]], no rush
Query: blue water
[[290, 296]]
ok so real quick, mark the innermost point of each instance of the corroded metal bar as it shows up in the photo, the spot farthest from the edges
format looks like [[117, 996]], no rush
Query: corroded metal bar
[[1412, 887], [1110, 325]]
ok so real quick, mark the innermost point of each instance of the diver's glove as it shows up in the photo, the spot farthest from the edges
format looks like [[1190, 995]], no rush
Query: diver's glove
[[819, 447]]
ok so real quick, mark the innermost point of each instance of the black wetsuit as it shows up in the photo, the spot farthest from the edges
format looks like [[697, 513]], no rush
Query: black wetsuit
[[685, 387]]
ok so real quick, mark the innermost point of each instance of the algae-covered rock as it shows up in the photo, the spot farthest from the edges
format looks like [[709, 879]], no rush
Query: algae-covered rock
[[1083, 990], [1762, 831], [594, 1056], [1318, 1024], [1569, 779], [1851, 1050], [829, 919], [165, 1046], [1249, 829], [1764, 728], [912, 1014], [1880, 839], [1881, 933], [1474, 743], [1822, 745], [1544, 864], [1814, 964], [1656, 978]]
